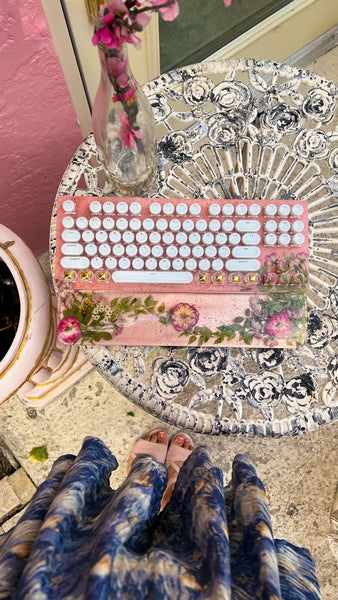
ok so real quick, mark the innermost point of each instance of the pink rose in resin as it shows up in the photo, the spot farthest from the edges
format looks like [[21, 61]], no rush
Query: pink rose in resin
[[279, 326], [69, 330], [184, 316]]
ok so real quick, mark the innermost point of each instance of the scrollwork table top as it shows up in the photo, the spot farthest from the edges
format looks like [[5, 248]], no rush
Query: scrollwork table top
[[238, 129]]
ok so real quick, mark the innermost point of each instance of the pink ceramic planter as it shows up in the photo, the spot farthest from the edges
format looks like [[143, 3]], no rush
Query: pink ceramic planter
[[37, 366]]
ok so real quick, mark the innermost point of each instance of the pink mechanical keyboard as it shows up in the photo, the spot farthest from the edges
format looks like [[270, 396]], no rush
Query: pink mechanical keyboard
[[222, 258]]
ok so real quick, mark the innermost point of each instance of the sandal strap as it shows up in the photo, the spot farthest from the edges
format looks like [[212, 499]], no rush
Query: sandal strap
[[158, 451], [177, 454]]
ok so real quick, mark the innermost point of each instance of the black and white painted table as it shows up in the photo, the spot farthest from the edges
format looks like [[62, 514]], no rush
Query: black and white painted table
[[238, 129]]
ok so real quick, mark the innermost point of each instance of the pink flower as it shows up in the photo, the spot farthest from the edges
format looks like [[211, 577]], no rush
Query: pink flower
[[169, 12], [128, 96], [104, 34], [184, 316], [69, 330], [279, 326], [126, 133], [227, 3]]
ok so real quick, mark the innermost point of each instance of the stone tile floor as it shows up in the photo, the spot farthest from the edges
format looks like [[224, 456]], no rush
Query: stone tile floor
[[300, 474]]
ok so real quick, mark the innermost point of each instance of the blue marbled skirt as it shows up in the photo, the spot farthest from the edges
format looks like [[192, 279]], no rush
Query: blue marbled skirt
[[79, 539]]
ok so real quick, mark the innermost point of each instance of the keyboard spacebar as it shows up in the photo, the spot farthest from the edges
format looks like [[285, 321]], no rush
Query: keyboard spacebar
[[153, 277]]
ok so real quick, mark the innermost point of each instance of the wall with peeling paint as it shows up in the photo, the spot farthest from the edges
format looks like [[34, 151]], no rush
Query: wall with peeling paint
[[38, 127]]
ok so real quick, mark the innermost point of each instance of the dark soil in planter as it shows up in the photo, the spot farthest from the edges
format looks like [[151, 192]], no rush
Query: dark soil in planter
[[9, 309]]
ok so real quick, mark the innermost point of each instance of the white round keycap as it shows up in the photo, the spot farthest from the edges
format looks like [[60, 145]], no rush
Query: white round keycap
[[95, 207], [210, 251], [175, 225], [135, 224], [204, 264], [122, 208], [121, 224], [110, 262], [172, 251], [168, 238], [270, 226], [241, 209], [188, 225], [144, 250], [254, 210], [298, 239], [201, 225], [270, 239], [108, 207], [270, 210], [95, 223], [207, 238], [151, 264], [198, 251], [228, 210], [138, 264], [101, 236], [154, 237], [68, 206], [155, 209], [297, 226], [217, 264], [194, 209], [68, 223], [104, 249], [87, 236], [96, 262], [168, 208], [178, 264], [221, 239], [161, 225], [115, 236], [131, 250], [108, 223], [194, 238], [91, 249], [214, 225], [181, 238], [191, 264], [284, 226], [141, 237], [224, 252], [234, 239], [284, 210], [135, 208], [118, 250], [157, 251], [214, 210], [128, 237], [228, 225], [297, 210], [284, 239], [184, 251], [181, 209], [124, 263], [164, 264], [81, 223]]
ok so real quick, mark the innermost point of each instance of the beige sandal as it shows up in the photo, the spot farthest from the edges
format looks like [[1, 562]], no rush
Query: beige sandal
[[176, 454], [154, 449]]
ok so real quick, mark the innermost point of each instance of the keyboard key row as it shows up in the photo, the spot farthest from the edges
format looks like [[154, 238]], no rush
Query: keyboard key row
[[181, 209]]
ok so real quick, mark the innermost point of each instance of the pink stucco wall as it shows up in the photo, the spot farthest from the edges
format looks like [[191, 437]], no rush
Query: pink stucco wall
[[38, 128]]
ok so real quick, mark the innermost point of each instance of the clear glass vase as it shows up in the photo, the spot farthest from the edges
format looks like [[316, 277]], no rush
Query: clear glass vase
[[124, 128]]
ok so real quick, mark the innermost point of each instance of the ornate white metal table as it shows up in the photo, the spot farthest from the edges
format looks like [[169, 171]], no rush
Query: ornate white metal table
[[238, 129]]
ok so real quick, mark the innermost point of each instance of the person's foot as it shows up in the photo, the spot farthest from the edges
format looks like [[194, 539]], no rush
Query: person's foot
[[154, 443], [181, 446]]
